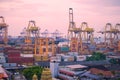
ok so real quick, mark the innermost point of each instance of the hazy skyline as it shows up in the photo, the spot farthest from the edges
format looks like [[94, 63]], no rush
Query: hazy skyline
[[53, 14]]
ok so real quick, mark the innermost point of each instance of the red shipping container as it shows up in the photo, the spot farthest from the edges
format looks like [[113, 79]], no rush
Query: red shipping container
[[14, 60], [14, 55], [27, 60]]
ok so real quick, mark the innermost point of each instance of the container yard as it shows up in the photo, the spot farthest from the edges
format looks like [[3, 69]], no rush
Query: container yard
[[38, 47], [34, 48]]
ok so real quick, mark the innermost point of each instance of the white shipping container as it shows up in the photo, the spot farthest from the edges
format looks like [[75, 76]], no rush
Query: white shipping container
[[68, 58], [2, 59], [73, 53], [81, 58], [58, 59], [26, 55]]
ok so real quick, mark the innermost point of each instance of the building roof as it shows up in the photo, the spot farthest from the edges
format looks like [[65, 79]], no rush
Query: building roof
[[2, 71], [86, 63], [101, 67], [78, 66], [101, 72], [88, 74]]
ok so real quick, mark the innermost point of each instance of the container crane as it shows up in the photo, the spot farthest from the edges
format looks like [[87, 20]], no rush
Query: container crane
[[32, 31], [117, 27], [73, 33], [3, 31], [87, 33], [111, 34], [31, 38], [56, 34], [45, 33]]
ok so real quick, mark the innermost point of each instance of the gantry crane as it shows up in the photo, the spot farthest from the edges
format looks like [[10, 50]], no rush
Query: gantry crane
[[45, 33], [56, 34], [117, 27], [110, 34], [3, 30], [73, 33], [32, 31], [87, 33], [31, 34]]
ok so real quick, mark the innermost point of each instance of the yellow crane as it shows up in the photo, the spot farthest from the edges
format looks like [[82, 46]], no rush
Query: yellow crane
[[111, 34], [32, 31], [117, 27], [3, 30], [73, 33], [87, 33]]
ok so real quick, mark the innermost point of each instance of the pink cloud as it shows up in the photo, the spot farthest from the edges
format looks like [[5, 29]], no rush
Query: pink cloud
[[53, 14]]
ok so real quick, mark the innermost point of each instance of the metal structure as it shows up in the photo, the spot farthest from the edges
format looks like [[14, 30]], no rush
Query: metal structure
[[44, 47], [108, 34], [117, 31], [56, 34], [111, 34], [45, 33], [87, 33], [32, 31], [3, 31], [73, 33]]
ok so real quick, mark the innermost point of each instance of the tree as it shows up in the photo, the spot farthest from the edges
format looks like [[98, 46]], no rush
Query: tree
[[96, 56], [114, 61], [29, 72]]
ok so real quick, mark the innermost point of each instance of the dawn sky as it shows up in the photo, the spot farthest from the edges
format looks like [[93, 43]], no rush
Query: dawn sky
[[53, 14]]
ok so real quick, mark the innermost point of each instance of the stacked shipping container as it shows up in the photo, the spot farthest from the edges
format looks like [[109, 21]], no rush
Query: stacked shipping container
[[14, 55]]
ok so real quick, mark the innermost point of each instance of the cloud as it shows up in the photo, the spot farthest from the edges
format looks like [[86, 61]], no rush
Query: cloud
[[53, 14], [98, 2], [105, 7]]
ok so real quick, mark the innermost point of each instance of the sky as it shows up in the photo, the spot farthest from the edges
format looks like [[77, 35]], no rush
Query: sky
[[54, 14]]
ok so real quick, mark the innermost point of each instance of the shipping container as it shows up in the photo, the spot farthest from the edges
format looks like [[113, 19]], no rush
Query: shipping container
[[17, 60], [55, 58], [27, 52], [73, 53], [26, 55], [45, 58], [14, 55], [68, 58], [2, 59], [27, 59], [81, 58], [27, 48], [64, 49]]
